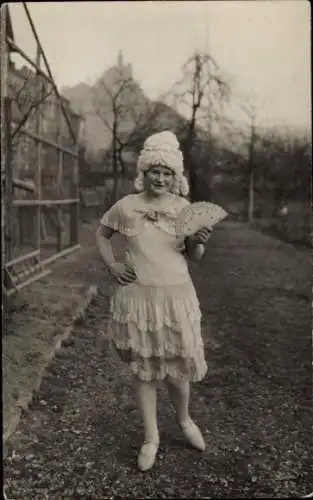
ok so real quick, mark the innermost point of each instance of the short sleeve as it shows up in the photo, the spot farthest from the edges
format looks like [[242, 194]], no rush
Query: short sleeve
[[112, 218], [120, 217]]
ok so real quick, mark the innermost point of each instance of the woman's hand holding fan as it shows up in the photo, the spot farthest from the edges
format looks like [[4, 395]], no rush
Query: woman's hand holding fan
[[197, 220], [201, 237]]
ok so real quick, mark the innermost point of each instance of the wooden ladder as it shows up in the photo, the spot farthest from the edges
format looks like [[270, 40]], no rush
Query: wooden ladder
[[23, 271]]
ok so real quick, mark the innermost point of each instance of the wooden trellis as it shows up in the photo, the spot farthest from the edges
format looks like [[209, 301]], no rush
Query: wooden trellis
[[19, 272]]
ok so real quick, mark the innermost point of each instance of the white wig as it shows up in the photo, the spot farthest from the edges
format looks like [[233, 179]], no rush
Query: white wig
[[162, 149]]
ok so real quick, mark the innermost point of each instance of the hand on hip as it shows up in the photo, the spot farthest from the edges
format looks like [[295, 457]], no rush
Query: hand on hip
[[123, 273]]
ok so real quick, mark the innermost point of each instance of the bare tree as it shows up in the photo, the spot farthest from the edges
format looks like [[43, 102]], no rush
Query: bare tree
[[111, 102], [25, 99], [272, 166], [246, 138], [285, 174], [24, 96], [127, 114], [200, 95]]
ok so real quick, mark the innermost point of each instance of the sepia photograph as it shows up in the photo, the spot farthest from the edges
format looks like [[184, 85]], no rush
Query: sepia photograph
[[156, 249]]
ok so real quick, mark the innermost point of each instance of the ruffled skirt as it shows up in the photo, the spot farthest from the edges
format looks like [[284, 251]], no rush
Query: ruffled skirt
[[157, 331]]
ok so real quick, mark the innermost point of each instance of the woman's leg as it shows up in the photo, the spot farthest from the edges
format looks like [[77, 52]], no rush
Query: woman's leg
[[179, 392], [147, 401]]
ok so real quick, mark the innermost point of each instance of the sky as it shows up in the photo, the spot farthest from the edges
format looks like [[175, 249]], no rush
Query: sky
[[263, 46]]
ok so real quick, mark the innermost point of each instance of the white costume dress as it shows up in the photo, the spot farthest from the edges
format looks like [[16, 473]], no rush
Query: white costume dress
[[155, 321]]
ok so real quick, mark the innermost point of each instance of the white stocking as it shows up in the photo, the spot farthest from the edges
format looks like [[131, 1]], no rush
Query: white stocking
[[179, 394], [147, 402]]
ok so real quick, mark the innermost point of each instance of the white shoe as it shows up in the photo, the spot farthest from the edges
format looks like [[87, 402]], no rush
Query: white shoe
[[147, 455], [193, 434]]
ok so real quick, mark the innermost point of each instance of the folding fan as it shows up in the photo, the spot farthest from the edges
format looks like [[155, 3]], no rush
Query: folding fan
[[197, 215]]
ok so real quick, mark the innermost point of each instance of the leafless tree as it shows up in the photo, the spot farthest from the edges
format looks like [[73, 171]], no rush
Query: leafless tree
[[285, 174], [26, 96], [127, 114], [201, 95], [246, 138], [272, 166]]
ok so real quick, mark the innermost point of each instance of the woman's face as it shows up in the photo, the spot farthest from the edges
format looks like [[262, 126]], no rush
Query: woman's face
[[158, 180]]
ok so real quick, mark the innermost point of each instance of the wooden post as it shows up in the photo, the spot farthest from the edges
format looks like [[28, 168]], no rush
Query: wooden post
[[4, 152], [38, 126], [59, 177], [251, 196], [8, 183], [20, 218], [75, 208], [250, 187]]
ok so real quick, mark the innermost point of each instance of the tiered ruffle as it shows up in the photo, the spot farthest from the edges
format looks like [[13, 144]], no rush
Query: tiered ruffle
[[157, 331]]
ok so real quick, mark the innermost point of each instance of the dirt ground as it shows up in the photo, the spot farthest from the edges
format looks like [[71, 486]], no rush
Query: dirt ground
[[36, 319], [81, 434]]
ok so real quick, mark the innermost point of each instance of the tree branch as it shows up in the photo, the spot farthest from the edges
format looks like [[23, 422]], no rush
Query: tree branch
[[33, 106]]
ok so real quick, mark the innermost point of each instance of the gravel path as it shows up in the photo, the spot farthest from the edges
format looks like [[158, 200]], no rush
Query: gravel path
[[81, 435]]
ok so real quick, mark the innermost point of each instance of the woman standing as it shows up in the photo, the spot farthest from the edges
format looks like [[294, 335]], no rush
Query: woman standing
[[155, 315]]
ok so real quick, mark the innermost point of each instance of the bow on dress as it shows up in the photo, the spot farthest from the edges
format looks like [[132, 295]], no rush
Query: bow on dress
[[154, 215]]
